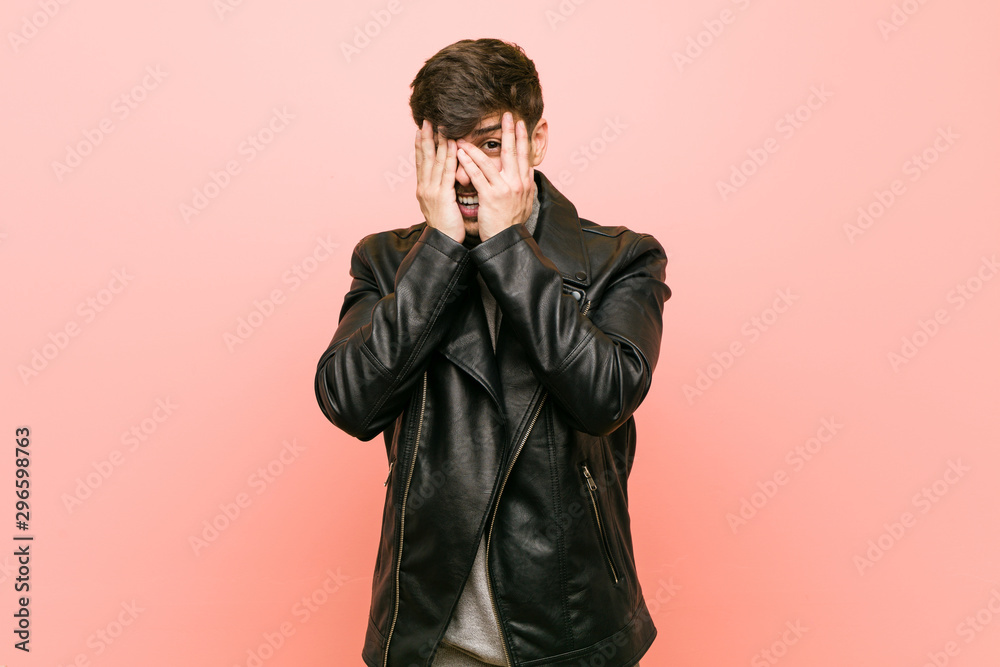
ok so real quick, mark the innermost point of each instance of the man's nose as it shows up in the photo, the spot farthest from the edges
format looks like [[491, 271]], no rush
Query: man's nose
[[461, 176]]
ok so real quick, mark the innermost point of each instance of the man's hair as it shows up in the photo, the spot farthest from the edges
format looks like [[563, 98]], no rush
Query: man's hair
[[464, 82]]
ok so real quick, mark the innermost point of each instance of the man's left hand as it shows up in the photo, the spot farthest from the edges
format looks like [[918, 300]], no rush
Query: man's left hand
[[505, 196]]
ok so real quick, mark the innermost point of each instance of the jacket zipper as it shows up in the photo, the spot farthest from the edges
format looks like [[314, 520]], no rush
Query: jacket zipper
[[402, 517], [389, 476], [592, 488], [489, 538]]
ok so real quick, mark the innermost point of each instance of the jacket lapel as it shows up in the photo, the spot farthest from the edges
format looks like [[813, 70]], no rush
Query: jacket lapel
[[468, 345], [506, 374], [558, 233]]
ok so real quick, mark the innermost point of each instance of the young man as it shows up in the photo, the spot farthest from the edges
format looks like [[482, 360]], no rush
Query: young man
[[500, 347]]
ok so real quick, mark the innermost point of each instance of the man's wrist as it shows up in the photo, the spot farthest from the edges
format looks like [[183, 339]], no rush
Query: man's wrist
[[436, 261], [499, 242], [493, 231], [439, 240]]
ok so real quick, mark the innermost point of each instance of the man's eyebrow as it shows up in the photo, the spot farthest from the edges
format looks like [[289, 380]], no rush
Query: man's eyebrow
[[485, 130]]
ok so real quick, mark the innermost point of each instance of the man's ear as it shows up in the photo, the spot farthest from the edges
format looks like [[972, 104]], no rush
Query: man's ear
[[539, 141]]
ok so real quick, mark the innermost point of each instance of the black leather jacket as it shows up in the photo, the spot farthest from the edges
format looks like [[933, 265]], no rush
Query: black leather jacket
[[532, 444]]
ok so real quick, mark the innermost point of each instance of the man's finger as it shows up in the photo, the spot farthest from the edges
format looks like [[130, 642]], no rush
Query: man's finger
[[479, 159], [473, 170], [417, 152], [508, 160], [440, 158], [451, 164], [522, 151], [427, 150]]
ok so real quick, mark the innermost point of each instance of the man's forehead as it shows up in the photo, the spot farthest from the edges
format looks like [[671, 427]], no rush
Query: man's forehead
[[489, 119], [489, 123]]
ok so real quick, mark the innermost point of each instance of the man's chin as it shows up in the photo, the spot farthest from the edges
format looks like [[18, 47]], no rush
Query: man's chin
[[471, 233]]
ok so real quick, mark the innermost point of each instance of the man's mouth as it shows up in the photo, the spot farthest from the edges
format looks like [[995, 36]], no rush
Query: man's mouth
[[468, 205]]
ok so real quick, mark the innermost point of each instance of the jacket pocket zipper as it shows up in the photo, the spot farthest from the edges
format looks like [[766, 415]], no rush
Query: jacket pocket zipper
[[389, 476], [605, 545], [402, 517]]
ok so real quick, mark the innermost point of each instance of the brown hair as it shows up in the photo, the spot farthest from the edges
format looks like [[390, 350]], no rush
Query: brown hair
[[471, 79]]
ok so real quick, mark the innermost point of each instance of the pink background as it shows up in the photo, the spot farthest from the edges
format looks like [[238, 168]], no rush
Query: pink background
[[880, 548]]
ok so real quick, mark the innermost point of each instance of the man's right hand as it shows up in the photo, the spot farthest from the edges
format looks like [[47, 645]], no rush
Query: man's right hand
[[436, 182]]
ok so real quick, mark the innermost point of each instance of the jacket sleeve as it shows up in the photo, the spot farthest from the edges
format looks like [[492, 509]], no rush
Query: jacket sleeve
[[597, 366], [384, 341]]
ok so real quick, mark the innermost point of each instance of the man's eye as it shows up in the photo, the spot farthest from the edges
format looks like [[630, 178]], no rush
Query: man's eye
[[492, 145]]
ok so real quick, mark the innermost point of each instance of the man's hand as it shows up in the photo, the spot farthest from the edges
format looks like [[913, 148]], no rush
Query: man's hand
[[505, 196], [436, 182]]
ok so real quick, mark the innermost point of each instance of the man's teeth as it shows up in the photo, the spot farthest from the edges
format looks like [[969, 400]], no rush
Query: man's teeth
[[468, 201]]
